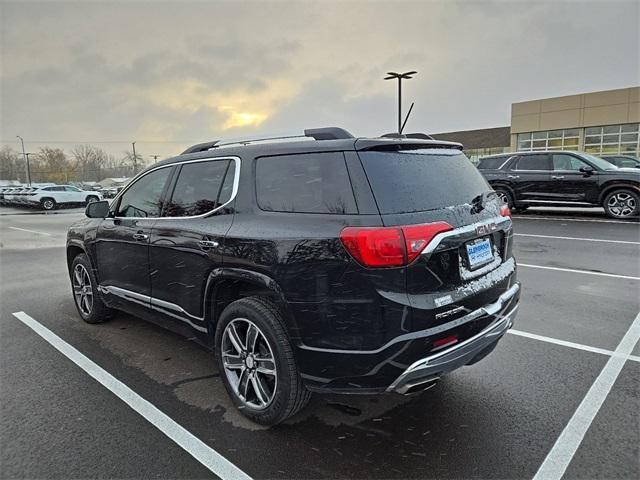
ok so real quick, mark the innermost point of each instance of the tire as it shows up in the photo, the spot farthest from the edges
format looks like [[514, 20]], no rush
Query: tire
[[621, 204], [48, 204], [84, 288], [506, 196], [91, 199], [282, 392]]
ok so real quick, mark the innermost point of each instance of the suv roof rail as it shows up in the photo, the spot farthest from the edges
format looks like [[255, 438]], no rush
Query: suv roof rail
[[327, 133], [417, 135]]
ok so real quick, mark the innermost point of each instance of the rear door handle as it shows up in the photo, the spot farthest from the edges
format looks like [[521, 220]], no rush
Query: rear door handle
[[557, 177], [206, 244], [513, 176], [140, 236]]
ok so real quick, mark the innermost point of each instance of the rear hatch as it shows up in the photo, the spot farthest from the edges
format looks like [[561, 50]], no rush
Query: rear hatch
[[464, 260]]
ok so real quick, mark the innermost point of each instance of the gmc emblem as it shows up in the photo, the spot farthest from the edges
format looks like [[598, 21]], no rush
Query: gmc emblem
[[486, 229]]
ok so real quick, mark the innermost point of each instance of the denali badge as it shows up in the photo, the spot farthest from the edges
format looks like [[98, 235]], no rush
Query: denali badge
[[486, 229], [449, 312]]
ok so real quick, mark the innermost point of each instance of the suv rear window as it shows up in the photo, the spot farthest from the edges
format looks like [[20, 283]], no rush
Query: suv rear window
[[491, 163], [307, 183], [419, 180]]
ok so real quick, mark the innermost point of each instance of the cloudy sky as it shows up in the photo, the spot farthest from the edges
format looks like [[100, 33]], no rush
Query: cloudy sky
[[168, 74]]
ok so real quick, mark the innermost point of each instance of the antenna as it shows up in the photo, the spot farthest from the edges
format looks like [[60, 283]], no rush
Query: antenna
[[406, 118]]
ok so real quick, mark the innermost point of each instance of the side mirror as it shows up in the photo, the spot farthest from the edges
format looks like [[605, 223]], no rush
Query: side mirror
[[587, 170], [97, 209]]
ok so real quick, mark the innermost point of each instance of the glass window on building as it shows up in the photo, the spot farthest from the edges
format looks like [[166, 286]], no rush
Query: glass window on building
[[612, 139], [549, 140]]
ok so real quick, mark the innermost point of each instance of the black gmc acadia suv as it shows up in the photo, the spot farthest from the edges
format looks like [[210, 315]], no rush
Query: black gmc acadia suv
[[564, 179], [326, 264]]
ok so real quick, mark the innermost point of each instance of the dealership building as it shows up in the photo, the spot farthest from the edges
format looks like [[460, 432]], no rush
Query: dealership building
[[600, 123]]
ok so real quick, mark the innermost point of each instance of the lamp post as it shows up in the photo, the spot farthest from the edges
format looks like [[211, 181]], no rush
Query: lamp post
[[26, 160], [135, 159], [400, 77], [29, 166]]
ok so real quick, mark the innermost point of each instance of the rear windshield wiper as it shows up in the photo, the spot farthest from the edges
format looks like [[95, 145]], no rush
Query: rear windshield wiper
[[477, 204]]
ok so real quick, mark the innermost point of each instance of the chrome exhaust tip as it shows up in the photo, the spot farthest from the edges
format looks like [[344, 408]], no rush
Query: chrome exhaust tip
[[418, 386]]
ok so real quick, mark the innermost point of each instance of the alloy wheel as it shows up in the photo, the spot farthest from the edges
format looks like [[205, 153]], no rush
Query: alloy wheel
[[82, 290], [622, 204], [249, 363], [48, 204]]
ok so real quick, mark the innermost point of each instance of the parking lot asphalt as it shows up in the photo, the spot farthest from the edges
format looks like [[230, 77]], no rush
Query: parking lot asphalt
[[500, 418]]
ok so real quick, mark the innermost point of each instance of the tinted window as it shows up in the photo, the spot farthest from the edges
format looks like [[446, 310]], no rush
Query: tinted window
[[71, 189], [143, 198], [532, 162], [562, 161], [416, 180], [198, 189], [310, 183], [491, 163]]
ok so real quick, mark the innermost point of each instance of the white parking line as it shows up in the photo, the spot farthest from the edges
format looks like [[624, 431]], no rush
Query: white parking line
[[572, 270], [31, 231], [625, 242], [578, 346], [574, 220], [199, 450], [559, 458]]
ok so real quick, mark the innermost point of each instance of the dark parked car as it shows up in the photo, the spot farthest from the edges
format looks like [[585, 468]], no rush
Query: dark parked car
[[565, 179], [326, 264], [622, 161]]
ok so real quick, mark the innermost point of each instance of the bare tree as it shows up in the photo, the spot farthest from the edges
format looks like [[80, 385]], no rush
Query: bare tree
[[11, 165], [52, 165], [90, 161], [135, 165]]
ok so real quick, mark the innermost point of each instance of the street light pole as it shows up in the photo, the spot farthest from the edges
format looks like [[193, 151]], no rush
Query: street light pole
[[135, 159], [29, 166], [400, 77], [26, 161]]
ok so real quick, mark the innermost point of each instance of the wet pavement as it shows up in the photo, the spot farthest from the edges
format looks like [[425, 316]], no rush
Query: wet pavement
[[499, 418]]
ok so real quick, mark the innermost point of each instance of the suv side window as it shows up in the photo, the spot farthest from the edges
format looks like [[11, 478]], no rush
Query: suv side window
[[532, 162], [143, 198], [563, 161], [71, 189], [198, 189], [305, 183], [491, 163]]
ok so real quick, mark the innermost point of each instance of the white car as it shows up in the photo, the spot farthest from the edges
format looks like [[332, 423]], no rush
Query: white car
[[50, 197]]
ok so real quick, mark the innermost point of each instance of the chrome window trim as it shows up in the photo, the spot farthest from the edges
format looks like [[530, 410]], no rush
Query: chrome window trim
[[506, 161], [234, 191]]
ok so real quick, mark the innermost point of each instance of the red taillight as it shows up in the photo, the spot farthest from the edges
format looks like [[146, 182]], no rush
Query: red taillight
[[504, 211], [417, 237], [389, 246], [374, 247]]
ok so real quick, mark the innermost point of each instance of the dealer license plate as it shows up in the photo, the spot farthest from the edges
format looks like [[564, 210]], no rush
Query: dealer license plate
[[479, 252]]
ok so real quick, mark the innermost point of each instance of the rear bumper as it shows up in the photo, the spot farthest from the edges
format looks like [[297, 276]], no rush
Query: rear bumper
[[409, 359], [471, 350]]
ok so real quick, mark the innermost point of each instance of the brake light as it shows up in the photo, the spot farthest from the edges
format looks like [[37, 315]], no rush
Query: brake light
[[390, 246], [504, 211]]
